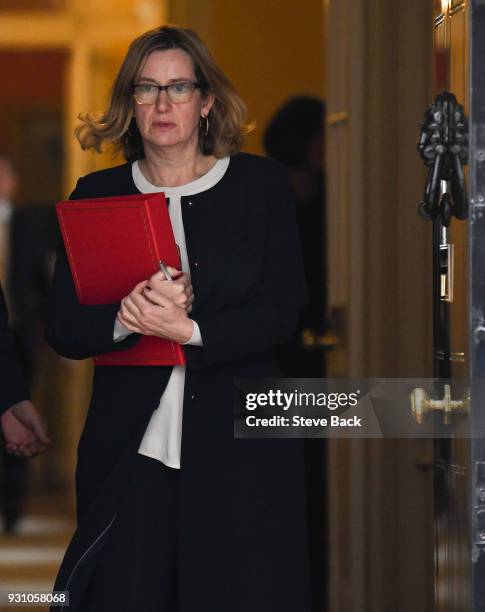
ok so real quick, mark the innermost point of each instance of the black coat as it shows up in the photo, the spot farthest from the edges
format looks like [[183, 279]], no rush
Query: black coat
[[242, 528], [33, 240], [13, 387]]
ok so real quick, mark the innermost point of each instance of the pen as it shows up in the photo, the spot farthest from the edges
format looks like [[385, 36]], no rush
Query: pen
[[163, 268]]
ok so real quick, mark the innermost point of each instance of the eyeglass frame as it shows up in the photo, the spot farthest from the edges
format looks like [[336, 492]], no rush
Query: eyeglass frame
[[195, 85]]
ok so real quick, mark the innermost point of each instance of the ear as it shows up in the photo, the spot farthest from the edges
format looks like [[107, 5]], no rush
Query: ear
[[207, 104]]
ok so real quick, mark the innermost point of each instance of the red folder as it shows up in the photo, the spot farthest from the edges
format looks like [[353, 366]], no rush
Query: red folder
[[112, 244]]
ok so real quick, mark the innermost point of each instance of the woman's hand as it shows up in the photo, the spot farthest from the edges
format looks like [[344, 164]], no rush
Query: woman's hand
[[179, 290], [24, 430], [157, 316]]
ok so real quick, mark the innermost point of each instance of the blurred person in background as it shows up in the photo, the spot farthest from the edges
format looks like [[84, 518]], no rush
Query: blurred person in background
[[24, 431], [14, 472], [174, 513], [27, 237], [295, 137]]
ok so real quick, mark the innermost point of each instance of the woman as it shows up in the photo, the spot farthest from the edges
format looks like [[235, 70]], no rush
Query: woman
[[173, 513]]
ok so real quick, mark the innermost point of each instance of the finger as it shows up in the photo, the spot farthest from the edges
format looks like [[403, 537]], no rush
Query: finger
[[126, 308], [172, 293], [133, 327], [183, 279], [158, 299], [140, 302], [146, 309], [188, 303], [174, 272], [139, 287], [37, 449], [168, 289], [163, 286], [32, 450], [129, 306], [187, 289], [156, 278], [137, 290], [153, 296], [130, 326], [128, 318], [135, 308]]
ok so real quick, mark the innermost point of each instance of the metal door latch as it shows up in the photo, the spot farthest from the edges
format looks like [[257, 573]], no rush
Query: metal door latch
[[447, 264], [421, 403]]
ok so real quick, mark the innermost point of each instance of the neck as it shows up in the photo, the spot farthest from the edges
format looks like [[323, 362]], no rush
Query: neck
[[169, 167]]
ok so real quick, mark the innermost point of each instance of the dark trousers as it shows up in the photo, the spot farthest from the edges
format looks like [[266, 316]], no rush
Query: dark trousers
[[14, 480], [137, 568]]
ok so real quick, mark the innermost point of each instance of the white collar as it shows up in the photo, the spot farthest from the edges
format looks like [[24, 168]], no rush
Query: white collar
[[206, 181]]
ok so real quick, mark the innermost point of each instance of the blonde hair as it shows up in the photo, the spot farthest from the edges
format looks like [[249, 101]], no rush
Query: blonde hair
[[116, 125]]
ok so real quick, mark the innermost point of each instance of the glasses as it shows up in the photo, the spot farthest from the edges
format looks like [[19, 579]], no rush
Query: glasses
[[177, 93]]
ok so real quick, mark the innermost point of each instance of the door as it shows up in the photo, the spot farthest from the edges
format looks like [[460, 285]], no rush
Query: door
[[458, 303]]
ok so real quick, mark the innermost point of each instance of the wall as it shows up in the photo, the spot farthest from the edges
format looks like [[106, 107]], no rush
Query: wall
[[270, 49], [31, 108]]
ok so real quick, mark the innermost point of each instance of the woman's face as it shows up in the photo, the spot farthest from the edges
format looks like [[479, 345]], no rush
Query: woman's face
[[165, 124]]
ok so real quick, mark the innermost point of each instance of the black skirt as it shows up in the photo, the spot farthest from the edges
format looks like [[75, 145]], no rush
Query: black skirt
[[137, 567]]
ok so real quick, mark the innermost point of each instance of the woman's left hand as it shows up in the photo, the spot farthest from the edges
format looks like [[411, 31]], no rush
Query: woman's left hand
[[179, 290], [164, 319]]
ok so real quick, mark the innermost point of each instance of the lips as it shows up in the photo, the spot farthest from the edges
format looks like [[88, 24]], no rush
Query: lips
[[164, 125]]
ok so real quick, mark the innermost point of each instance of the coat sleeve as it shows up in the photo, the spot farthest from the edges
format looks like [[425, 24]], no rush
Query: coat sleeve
[[74, 330], [271, 316], [13, 387]]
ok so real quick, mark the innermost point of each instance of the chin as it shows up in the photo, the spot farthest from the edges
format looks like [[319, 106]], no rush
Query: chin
[[167, 141]]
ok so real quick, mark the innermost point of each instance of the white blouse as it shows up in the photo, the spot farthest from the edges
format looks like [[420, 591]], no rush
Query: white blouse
[[163, 436]]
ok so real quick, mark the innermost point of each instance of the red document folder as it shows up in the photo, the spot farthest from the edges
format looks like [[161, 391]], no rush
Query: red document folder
[[112, 244]]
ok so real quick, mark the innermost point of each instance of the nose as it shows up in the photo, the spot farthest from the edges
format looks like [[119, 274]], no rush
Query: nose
[[163, 101]]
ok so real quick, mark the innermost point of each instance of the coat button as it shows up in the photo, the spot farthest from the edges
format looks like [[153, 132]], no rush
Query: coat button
[[190, 203], [196, 264], [192, 397]]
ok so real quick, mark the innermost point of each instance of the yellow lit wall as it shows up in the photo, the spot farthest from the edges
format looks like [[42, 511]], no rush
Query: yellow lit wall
[[270, 49]]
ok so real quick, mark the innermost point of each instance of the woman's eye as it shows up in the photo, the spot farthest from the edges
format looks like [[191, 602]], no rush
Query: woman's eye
[[146, 88], [180, 87]]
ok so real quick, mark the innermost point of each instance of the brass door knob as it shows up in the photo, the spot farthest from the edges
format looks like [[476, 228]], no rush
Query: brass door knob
[[421, 403]]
